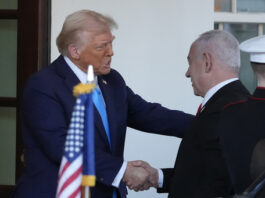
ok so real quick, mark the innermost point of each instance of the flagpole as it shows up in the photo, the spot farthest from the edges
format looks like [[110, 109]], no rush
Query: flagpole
[[87, 193], [90, 81]]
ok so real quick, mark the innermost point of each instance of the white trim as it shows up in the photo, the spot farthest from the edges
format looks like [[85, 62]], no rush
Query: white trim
[[220, 26], [257, 57], [234, 6], [226, 17], [260, 29]]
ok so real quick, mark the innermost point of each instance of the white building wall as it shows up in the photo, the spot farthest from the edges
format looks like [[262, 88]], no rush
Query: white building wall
[[150, 48]]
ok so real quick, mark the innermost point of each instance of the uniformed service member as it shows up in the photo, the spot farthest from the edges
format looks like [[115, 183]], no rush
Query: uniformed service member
[[242, 125]]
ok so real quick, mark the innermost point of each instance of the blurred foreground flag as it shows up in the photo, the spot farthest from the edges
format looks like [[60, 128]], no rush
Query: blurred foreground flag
[[78, 162]]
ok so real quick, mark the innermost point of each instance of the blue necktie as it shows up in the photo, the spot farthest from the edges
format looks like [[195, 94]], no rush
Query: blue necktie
[[100, 105]]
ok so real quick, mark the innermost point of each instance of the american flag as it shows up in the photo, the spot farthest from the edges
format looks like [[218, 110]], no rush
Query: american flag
[[70, 173]]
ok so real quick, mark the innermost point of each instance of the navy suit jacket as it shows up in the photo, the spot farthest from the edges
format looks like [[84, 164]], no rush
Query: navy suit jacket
[[47, 105]]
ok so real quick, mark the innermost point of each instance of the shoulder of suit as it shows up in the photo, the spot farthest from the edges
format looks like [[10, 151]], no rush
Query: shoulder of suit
[[114, 76], [43, 79], [114, 72], [235, 103], [44, 72], [236, 96]]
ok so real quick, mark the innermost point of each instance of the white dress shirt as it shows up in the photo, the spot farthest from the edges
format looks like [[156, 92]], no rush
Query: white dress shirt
[[82, 76], [214, 89]]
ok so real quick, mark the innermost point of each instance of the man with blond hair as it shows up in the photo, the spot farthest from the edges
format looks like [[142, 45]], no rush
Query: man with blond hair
[[47, 104]]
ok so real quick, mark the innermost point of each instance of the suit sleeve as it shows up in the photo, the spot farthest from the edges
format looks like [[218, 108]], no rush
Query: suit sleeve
[[167, 172], [108, 167], [152, 117], [45, 119]]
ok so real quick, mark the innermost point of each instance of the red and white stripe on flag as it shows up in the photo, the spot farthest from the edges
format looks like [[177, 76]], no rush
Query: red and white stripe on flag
[[70, 177]]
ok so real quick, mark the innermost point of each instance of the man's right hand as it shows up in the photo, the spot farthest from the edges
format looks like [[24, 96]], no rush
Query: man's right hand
[[139, 175]]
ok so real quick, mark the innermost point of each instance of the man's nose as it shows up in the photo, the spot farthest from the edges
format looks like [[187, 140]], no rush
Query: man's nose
[[187, 74], [109, 50]]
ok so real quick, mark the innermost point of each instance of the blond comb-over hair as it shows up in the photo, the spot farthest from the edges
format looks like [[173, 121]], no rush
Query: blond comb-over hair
[[82, 21]]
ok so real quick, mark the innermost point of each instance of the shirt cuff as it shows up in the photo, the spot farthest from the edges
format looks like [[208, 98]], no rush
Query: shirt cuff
[[119, 176], [160, 178]]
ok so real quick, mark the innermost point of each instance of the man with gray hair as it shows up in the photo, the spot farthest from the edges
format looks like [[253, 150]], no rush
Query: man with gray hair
[[47, 104], [200, 170]]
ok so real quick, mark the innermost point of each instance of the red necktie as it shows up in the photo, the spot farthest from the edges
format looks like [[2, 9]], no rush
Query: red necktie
[[199, 109]]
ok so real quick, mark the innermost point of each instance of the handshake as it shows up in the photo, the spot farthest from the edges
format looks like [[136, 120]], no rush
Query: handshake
[[139, 175]]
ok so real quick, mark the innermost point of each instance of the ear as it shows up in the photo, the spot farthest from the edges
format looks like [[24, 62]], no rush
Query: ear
[[207, 57], [73, 51]]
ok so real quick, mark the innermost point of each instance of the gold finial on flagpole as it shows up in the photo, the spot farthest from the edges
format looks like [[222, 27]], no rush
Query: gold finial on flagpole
[[85, 88]]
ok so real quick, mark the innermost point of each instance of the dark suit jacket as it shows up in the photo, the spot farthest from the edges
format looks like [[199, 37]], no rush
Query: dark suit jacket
[[241, 127], [46, 111], [200, 170]]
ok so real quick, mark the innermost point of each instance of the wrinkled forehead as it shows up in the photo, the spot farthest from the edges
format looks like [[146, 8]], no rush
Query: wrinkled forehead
[[97, 27], [88, 36], [101, 36], [193, 49]]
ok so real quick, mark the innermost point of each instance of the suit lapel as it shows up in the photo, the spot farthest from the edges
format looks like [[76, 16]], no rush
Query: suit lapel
[[70, 79], [105, 87], [63, 70], [99, 125]]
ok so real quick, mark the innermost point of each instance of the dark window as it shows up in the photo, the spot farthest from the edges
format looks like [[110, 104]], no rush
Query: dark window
[[24, 49]]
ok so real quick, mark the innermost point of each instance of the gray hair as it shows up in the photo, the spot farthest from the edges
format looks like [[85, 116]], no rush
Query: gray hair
[[223, 46], [79, 22]]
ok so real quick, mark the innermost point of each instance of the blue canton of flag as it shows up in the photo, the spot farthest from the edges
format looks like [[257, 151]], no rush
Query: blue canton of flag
[[74, 139]]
